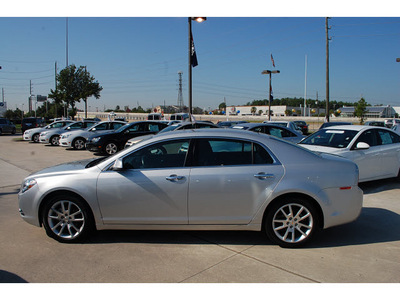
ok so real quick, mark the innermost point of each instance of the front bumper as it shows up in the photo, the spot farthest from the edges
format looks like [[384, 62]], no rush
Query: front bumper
[[44, 140], [94, 147], [65, 143]]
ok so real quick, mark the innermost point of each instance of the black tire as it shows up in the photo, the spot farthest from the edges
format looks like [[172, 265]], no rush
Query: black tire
[[55, 140], [291, 222], [111, 148], [13, 131], [79, 144], [35, 138], [67, 219]]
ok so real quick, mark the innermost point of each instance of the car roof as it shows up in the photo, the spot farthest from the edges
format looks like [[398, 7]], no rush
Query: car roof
[[348, 127]]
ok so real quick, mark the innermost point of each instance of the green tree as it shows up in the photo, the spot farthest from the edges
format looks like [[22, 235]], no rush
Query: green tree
[[361, 109], [74, 84], [253, 110]]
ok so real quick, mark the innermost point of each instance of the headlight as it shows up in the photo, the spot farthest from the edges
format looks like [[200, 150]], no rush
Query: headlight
[[43, 133], [27, 184], [96, 139], [64, 136]]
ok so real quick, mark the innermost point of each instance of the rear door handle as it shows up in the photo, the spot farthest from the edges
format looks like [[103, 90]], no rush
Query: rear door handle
[[262, 175], [174, 177]]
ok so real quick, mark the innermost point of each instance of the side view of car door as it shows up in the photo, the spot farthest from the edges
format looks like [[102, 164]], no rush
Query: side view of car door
[[241, 173], [150, 189]]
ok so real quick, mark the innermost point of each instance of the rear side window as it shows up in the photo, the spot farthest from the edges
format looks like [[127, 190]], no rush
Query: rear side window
[[224, 152], [388, 137]]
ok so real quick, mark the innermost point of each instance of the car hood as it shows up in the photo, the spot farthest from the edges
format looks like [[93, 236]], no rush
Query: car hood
[[66, 167], [97, 133]]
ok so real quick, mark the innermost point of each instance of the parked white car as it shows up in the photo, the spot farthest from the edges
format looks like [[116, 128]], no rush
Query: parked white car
[[77, 139], [376, 150], [203, 179]]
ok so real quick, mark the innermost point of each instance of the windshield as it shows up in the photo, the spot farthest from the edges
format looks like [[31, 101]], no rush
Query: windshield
[[330, 138]]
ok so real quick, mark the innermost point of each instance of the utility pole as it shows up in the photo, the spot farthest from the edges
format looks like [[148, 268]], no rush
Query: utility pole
[[327, 69], [30, 95], [66, 41], [55, 87], [305, 90], [180, 96]]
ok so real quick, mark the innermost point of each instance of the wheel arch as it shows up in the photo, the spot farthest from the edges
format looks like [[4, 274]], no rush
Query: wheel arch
[[53, 194], [305, 197]]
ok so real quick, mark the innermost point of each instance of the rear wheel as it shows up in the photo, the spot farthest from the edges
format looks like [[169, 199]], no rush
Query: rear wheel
[[67, 219], [291, 222], [78, 144]]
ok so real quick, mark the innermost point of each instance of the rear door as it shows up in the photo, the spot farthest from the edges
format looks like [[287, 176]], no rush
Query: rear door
[[229, 181]]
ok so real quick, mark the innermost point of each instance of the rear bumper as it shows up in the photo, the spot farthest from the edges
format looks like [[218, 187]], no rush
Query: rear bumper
[[341, 205]]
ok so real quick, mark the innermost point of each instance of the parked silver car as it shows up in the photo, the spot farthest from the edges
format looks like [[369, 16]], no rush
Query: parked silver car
[[53, 136], [33, 134], [77, 139], [197, 180], [289, 124]]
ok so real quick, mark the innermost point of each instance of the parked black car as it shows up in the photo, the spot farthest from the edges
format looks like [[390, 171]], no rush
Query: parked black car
[[329, 124], [111, 142], [303, 126], [28, 123], [6, 126]]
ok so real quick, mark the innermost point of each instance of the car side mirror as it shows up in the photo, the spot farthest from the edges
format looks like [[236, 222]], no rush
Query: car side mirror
[[118, 165], [362, 146]]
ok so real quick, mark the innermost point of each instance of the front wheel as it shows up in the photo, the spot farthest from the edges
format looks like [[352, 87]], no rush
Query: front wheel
[[111, 148], [35, 138], [55, 140], [291, 222], [67, 219]]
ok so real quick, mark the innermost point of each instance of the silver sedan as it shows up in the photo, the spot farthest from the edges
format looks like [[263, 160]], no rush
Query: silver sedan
[[34, 133], [201, 179]]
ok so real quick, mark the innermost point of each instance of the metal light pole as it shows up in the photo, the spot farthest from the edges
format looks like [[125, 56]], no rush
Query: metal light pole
[[270, 88], [199, 20]]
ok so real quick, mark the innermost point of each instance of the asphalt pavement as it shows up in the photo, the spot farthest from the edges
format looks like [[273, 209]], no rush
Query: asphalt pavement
[[364, 251]]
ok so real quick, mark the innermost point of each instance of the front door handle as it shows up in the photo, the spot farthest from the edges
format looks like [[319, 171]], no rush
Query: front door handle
[[262, 175], [174, 177]]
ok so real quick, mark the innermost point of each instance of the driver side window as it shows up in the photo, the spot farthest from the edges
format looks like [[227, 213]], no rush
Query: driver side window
[[170, 154]]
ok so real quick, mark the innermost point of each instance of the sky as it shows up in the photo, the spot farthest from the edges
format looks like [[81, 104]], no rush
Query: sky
[[136, 54]]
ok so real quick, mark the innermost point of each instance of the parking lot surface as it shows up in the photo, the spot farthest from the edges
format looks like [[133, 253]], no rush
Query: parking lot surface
[[365, 251]]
